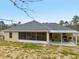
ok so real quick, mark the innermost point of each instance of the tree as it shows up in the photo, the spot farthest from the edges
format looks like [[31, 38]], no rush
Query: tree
[[19, 22], [75, 19], [2, 25], [61, 22], [23, 5], [66, 23]]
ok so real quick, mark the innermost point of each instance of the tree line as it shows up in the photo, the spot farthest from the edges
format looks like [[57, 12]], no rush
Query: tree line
[[74, 23], [4, 26]]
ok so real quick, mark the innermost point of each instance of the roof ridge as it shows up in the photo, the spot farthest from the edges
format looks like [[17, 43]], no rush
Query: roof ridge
[[41, 24], [37, 22]]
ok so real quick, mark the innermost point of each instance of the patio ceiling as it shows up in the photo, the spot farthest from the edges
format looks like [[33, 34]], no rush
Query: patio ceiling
[[62, 31]]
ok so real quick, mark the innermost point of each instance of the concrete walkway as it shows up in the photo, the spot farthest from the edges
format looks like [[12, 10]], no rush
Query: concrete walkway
[[63, 43]]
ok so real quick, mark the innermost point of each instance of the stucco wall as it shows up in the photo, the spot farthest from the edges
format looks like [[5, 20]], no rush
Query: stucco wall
[[14, 36]]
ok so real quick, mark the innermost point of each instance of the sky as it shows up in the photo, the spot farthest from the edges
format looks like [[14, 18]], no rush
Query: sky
[[44, 11]]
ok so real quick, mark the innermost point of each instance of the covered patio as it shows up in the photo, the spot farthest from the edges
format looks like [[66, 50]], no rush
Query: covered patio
[[67, 38]]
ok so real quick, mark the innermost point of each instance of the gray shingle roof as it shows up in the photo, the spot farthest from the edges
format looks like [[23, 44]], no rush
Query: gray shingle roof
[[55, 26], [34, 25]]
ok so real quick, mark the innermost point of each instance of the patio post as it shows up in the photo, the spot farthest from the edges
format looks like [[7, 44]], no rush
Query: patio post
[[72, 37], [47, 37], [61, 39]]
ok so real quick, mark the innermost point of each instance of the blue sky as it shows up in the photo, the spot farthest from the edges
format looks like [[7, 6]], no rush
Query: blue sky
[[44, 11]]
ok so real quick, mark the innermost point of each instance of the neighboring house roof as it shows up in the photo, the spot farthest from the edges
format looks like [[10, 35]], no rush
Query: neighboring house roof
[[34, 25]]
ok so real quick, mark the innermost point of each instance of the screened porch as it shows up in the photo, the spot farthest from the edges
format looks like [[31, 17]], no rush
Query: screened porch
[[36, 36]]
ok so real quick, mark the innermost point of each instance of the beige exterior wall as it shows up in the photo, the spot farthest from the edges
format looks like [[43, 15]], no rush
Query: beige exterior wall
[[14, 36]]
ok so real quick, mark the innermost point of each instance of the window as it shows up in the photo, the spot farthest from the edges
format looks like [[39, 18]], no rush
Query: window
[[41, 36], [10, 35], [22, 35], [31, 36]]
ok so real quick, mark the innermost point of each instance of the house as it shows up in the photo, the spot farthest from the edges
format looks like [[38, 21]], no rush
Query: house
[[36, 32]]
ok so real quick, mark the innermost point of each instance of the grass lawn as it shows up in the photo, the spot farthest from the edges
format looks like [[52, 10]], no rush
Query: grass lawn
[[19, 50], [78, 43]]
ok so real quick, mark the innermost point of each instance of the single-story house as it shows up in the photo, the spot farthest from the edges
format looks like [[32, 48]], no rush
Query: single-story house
[[37, 32]]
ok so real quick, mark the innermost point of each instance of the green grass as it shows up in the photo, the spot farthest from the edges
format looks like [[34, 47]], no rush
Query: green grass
[[67, 52], [78, 43], [31, 45], [19, 44]]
